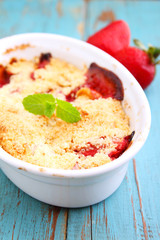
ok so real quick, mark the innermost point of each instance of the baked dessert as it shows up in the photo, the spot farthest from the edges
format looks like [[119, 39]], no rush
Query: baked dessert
[[102, 134]]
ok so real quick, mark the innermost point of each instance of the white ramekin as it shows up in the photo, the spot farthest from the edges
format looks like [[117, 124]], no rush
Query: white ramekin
[[76, 188]]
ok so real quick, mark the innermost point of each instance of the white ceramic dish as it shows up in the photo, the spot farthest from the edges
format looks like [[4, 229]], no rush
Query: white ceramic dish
[[76, 188]]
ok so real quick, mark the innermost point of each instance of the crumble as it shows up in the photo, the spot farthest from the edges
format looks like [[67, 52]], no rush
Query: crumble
[[102, 134]]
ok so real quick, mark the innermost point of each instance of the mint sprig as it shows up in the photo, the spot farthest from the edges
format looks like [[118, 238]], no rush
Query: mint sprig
[[46, 104]]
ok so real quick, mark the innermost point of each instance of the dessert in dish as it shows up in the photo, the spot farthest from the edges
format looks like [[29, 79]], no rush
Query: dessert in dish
[[102, 134]]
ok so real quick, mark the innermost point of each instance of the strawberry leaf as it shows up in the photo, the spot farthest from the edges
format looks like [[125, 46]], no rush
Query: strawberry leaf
[[153, 52]]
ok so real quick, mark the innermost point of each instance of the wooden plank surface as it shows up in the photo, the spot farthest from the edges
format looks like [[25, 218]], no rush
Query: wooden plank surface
[[133, 211]]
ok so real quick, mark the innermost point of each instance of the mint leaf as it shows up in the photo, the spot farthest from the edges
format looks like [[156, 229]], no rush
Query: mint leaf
[[40, 104], [67, 112]]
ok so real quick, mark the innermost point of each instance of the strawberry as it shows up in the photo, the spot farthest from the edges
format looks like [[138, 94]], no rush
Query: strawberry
[[140, 62], [112, 38]]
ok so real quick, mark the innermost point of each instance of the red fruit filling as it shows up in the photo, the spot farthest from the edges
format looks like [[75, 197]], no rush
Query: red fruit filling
[[4, 76], [76, 166], [13, 60], [104, 82], [72, 95], [44, 60], [95, 94], [90, 149], [15, 90], [121, 146], [32, 76]]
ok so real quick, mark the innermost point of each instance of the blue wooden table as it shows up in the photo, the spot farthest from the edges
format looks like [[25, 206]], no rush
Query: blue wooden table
[[133, 211]]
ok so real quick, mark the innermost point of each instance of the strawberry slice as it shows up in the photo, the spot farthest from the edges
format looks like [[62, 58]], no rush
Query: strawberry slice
[[112, 38], [121, 146], [4, 76], [32, 76], [102, 82], [44, 60]]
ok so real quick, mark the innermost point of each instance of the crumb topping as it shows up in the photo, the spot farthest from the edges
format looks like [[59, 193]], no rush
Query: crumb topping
[[54, 143]]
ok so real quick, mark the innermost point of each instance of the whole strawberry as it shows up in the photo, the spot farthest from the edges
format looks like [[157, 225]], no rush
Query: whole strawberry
[[140, 62], [112, 38]]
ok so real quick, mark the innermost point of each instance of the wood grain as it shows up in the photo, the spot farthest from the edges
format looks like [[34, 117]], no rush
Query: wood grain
[[140, 200], [79, 224]]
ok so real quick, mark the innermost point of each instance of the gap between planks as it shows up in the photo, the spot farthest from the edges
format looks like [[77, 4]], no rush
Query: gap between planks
[[140, 200]]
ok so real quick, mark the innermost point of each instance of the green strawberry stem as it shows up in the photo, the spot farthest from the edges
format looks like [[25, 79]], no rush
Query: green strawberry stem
[[153, 52]]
